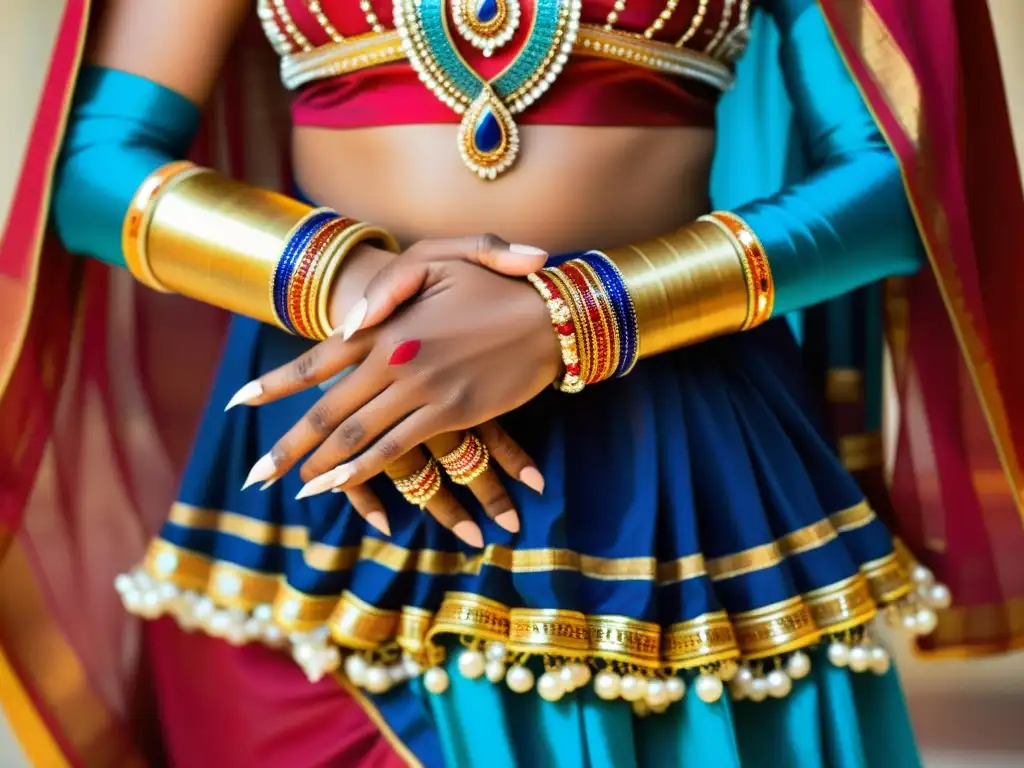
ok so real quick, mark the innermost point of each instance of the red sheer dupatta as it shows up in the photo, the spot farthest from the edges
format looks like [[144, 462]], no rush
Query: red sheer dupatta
[[930, 72], [101, 386]]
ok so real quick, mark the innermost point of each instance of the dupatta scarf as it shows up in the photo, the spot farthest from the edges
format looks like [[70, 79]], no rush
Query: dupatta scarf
[[96, 415]]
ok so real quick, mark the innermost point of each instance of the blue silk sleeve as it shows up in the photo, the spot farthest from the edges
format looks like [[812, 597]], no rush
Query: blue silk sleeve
[[847, 222], [122, 127]]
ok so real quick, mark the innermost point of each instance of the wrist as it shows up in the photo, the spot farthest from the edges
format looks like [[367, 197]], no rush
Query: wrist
[[361, 265]]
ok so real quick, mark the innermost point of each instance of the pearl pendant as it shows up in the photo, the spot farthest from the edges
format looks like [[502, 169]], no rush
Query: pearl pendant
[[488, 136], [708, 688], [550, 687], [436, 680], [519, 679], [471, 664], [798, 666], [607, 685]]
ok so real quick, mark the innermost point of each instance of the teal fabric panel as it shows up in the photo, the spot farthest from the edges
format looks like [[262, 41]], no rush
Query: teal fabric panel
[[122, 127]]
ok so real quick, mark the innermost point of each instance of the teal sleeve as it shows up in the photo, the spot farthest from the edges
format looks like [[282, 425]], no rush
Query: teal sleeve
[[847, 222], [122, 127]]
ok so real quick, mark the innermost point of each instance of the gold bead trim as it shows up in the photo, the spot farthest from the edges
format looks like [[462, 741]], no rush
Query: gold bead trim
[[363, 51]]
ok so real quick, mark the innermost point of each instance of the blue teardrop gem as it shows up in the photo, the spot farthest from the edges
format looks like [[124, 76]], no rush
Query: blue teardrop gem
[[486, 10], [487, 133]]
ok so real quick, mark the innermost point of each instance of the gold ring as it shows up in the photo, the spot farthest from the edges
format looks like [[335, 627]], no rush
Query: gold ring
[[421, 486], [467, 462]]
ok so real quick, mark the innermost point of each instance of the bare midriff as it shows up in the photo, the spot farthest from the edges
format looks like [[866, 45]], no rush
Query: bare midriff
[[572, 188]]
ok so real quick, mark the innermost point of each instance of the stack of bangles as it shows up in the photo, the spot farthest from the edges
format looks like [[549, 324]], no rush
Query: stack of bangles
[[191, 231], [466, 463], [609, 309]]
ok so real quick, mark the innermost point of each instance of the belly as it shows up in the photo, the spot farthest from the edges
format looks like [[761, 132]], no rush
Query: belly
[[572, 188]]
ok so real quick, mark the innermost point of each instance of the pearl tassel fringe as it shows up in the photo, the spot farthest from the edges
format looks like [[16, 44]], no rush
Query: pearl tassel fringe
[[646, 691]]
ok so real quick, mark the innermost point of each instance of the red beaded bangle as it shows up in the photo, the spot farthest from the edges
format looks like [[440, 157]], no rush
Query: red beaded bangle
[[564, 327], [598, 322]]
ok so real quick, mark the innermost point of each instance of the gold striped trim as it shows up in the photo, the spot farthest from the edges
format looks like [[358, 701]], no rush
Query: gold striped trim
[[860, 452], [844, 385], [374, 48], [326, 557], [707, 639]]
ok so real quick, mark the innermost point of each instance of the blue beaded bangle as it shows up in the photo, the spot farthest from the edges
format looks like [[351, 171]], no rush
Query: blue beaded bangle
[[290, 258], [622, 304]]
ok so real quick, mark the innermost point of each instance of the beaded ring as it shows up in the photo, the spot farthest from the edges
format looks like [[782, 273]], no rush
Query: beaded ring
[[564, 326], [421, 486], [468, 461]]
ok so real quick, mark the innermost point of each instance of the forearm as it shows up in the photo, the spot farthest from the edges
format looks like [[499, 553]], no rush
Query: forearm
[[121, 197], [843, 226]]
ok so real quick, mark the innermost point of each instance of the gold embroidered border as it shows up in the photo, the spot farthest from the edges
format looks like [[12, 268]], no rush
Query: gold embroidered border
[[703, 640], [842, 606], [888, 579], [463, 613], [623, 639], [357, 624], [413, 628], [774, 629], [853, 518], [550, 631]]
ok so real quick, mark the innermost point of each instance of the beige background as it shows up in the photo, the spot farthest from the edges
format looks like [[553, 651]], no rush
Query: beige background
[[966, 713]]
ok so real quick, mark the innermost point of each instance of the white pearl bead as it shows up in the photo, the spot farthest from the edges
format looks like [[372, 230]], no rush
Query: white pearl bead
[[798, 665], [779, 684], [565, 678], [580, 674], [859, 658], [436, 680], [355, 669], [743, 677], [124, 584], [550, 687], [204, 608], [412, 667], [220, 623], [839, 654], [676, 688], [397, 673], [758, 689], [495, 651], [304, 653], [273, 634], [378, 679], [909, 622], [939, 596], [709, 688], [519, 679], [921, 575], [607, 685], [495, 670], [263, 612], [879, 660], [471, 664], [926, 621], [632, 688], [656, 694]]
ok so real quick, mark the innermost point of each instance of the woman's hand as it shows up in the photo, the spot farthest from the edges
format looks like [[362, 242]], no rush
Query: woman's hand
[[396, 285], [473, 345]]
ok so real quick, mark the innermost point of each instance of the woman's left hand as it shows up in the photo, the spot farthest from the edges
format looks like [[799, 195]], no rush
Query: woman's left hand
[[471, 346]]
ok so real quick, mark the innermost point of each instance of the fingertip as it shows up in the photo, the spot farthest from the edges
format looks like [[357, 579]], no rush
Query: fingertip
[[379, 521], [508, 520], [470, 533], [354, 319], [532, 479]]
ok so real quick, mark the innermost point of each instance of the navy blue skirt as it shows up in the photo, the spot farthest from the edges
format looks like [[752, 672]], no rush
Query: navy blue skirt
[[694, 523]]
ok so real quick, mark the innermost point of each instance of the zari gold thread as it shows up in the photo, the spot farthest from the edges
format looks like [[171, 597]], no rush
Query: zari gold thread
[[548, 631], [853, 518], [887, 578], [775, 629], [354, 623], [842, 606]]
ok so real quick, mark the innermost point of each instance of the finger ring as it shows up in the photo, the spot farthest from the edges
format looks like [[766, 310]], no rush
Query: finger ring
[[419, 487], [467, 462]]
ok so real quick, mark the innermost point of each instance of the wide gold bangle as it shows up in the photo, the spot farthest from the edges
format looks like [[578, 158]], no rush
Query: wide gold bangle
[[709, 278], [248, 250]]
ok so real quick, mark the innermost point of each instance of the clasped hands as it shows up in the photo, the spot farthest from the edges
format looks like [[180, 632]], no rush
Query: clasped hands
[[446, 337]]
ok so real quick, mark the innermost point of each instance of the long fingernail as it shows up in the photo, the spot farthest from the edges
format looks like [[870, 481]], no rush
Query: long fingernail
[[379, 521], [246, 394], [261, 471], [532, 479], [470, 533], [354, 319], [269, 483], [325, 482], [509, 521], [526, 250]]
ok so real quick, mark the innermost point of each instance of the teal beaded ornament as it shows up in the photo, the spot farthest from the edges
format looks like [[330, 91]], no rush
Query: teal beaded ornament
[[488, 138]]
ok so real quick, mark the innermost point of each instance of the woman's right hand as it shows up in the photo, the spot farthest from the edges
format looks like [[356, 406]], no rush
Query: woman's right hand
[[363, 265]]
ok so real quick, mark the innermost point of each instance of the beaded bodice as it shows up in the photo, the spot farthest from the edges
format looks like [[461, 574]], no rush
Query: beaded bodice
[[718, 28], [489, 60]]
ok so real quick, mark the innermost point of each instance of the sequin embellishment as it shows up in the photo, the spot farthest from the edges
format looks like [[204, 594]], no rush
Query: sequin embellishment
[[488, 137]]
